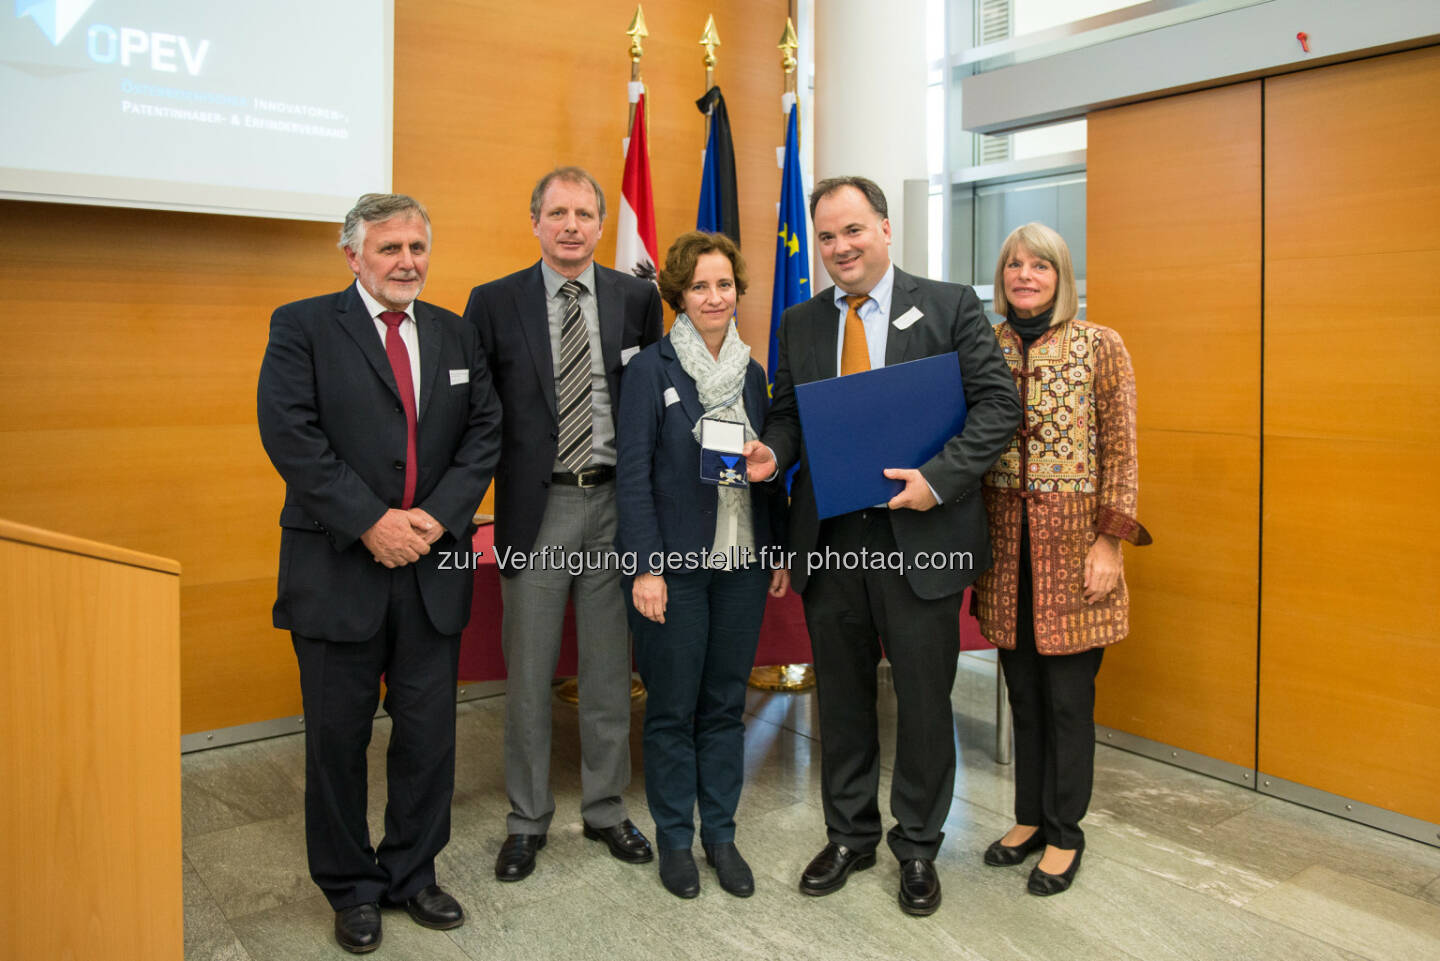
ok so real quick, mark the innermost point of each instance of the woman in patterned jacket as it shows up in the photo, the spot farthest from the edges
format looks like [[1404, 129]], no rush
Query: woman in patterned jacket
[[1060, 500]]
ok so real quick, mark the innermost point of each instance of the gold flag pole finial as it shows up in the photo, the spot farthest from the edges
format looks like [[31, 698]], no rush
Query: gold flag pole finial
[[710, 39], [788, 45], [637, 32]]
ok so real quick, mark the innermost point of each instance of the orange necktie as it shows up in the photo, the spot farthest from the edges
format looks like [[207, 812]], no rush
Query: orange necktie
[[855, 354]]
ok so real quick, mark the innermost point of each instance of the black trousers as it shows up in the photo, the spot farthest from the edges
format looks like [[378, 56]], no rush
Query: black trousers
[[1052, 697], [849, 614], [340, 686]]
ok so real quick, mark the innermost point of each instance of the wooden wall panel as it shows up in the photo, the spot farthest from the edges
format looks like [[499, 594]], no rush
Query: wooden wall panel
[[137, 335], [1173, 242], [1349, 643]]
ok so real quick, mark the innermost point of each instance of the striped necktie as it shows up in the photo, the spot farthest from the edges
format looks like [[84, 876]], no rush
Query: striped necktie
[[572, 386]]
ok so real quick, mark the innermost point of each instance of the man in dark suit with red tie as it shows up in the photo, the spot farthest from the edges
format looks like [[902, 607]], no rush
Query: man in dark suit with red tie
[[378, 411]]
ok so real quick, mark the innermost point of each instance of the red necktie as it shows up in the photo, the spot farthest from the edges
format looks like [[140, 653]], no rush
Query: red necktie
[[400, 366]]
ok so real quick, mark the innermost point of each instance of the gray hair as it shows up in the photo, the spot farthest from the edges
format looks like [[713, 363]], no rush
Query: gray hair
[[874, 196], [373, 209], [574, 175]]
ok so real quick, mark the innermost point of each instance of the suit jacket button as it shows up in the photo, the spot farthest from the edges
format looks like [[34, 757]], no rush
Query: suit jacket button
[[399, 465], [399, 409]]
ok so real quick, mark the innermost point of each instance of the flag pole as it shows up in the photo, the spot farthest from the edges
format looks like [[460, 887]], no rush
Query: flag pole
[[636, 32], [710, 39], [786, 678]]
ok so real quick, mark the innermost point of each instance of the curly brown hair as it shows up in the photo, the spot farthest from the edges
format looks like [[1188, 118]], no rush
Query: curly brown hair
[[680, 262]]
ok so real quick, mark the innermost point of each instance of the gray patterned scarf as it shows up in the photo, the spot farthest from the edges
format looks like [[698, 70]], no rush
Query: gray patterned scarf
[[719, 381]]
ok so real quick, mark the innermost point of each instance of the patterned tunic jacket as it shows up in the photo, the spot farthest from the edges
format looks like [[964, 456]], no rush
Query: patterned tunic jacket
[[1073, 463]]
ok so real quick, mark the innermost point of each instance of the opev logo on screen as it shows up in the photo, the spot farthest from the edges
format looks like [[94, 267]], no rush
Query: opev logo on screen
[[127, 46], [55, 18]]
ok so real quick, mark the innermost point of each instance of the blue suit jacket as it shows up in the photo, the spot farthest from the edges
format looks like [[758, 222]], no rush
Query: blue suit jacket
[[664, 507]]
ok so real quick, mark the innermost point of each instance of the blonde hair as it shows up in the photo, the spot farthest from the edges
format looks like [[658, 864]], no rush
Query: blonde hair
[[1046, 244]]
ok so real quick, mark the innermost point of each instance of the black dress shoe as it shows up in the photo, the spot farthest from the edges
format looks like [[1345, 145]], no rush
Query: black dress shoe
[[1044, 884], [1002, 855], [517, 856], [431, 907], [730, 869], [828, 870], [919, 887], [624, 840], [357, 928], [678, 872]]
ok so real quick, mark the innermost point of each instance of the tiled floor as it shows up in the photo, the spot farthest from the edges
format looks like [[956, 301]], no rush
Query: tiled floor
[[1177, 865]]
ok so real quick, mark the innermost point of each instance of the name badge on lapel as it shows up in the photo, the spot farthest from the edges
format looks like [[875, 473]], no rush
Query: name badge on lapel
[[461, 376], [721, 462], [904, 321]]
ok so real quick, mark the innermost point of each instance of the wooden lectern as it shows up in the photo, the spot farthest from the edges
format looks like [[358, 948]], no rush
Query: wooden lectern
[[89, 750]]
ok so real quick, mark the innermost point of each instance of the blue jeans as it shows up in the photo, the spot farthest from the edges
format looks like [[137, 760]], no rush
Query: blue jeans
[[695, 667]]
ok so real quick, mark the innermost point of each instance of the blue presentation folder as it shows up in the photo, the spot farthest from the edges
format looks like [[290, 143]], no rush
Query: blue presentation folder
[[858, 425]]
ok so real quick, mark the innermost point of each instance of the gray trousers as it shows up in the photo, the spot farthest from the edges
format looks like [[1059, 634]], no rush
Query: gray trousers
[[534, 614]]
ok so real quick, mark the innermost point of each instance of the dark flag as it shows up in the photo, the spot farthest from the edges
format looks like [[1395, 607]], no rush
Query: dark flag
[[719, 200]]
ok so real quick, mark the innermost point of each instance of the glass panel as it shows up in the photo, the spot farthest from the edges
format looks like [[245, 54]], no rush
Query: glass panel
[[935, 129], [935, 224], [934, 29], [1057, 202], [960, 141], [962, 237], [1032, 15], [1042, 141]]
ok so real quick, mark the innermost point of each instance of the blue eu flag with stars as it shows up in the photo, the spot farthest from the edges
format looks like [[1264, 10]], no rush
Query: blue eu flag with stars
[[792, 250]]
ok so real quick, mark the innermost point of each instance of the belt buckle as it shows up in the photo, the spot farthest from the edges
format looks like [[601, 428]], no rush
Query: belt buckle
[[582, 478]]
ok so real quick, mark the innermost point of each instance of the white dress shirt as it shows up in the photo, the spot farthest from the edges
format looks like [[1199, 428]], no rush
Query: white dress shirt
[[409, 333]]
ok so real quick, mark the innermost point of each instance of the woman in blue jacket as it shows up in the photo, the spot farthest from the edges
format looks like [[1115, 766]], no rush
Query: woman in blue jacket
[[705, 553]]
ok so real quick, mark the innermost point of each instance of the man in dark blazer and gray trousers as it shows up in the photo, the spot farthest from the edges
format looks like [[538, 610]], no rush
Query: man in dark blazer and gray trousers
[[378, 411], [557, 336], [875, 316]]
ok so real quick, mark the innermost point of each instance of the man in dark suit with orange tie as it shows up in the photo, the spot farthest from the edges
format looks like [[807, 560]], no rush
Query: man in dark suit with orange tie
[[378, 411], [877, 315]]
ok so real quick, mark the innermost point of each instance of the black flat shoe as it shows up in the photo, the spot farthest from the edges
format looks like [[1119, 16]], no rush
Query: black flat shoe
[[1044, 885], [432, 907], [828, 870], [624, 841], [919, 887], [357, 928], [730, 869], [517, 856], [678, 872], [1001, 855]]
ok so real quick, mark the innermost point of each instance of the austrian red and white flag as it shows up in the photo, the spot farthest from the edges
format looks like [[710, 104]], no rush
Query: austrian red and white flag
[[636, 251]]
